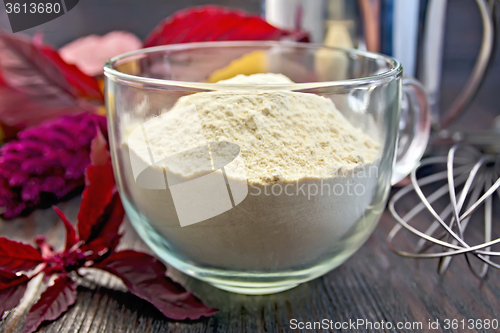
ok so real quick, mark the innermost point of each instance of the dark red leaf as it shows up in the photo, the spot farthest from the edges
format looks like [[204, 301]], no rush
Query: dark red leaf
[[81, 85], [9, 279], [10, 297], [105, 236], [71, 237], [2, 81], [37, 69], [145, 277], [12, 289], [99, 189], [90, 53], [213, 23], [38, 84], [15, 256], [20, 110], [52, 303]]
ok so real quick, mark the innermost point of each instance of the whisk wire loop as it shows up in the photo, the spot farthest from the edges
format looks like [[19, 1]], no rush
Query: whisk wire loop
[[470, 179]]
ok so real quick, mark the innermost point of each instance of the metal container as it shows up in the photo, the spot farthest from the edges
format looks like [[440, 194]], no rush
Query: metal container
[[412, 31]]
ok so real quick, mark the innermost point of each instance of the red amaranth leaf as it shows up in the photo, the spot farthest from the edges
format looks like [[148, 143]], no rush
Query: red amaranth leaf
[[99, 190], [19, 110], [90, 53], [38, 84], [16, 256], [145, 277], [12, 289], [38, 70], [214, 23], [71, 237], [10, 279], [52, 303], [105, 236], [10, 297], [2, 81]]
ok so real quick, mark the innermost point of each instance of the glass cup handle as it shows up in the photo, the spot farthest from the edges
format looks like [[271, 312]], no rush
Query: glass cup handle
[[414, 129]]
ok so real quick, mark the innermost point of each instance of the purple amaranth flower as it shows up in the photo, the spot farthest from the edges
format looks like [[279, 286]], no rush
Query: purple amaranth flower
[[46, 163]]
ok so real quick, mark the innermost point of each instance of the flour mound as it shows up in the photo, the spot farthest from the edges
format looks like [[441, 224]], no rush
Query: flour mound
[[263, 78], [299, 210], [283, 135]]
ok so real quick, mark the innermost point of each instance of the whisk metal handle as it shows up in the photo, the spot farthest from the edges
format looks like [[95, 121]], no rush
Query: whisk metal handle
[[414, 129]]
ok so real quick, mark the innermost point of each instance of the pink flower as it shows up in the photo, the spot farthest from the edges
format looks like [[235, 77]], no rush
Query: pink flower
[[91, 52]]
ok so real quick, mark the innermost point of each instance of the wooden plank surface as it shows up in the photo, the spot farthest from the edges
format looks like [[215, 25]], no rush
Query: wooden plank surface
[[374, 285]]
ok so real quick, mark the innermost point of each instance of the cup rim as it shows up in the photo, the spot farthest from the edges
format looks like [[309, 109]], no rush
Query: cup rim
[[109, 71]]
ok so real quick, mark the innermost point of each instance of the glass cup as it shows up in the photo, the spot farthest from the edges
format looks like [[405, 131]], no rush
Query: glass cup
[[258, 185]]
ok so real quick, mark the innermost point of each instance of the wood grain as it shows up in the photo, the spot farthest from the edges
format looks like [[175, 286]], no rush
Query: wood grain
[[374, 285]]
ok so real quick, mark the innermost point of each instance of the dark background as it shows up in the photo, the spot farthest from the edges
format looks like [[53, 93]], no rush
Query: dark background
[[463, 37]]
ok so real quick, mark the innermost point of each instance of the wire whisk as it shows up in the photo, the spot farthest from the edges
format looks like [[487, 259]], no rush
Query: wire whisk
[[469, 182]]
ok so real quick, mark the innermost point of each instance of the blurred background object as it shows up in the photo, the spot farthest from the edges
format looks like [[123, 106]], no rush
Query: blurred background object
[[293, 14], [412, 31], [461, 36]]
